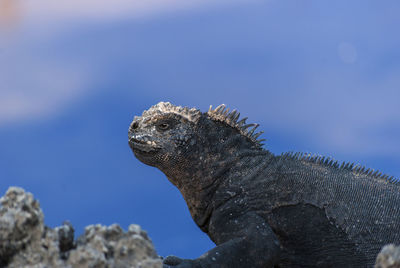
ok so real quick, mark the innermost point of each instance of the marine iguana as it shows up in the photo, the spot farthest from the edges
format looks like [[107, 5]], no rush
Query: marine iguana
[[263, 210]]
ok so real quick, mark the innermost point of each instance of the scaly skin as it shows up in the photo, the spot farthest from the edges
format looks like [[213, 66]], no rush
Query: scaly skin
[[263, 210]]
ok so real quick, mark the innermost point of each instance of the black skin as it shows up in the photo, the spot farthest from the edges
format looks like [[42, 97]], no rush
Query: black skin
[[263, 210]]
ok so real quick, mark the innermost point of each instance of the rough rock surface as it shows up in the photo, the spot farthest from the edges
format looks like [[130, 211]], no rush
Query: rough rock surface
[[26, 242], [389, 257]]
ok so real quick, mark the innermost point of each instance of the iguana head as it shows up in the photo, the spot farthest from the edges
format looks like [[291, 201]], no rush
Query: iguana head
[[162, 134], [174, 138]]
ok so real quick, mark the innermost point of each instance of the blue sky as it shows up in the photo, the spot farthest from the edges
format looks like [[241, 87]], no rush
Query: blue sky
[[319, 76]]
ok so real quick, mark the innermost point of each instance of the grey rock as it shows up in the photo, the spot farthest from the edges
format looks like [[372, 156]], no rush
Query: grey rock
[[26, 242], [389, 257]]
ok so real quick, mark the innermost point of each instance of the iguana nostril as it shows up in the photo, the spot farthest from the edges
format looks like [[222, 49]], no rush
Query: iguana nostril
[[135, 125]]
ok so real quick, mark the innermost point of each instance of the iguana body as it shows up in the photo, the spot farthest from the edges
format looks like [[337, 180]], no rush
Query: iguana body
[[263, 210]]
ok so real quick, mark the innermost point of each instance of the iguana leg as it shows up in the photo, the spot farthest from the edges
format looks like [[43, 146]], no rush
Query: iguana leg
[[246, 241]]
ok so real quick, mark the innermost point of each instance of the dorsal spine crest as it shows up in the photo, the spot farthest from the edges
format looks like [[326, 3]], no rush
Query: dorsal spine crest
[[330, 162], [222, 114]]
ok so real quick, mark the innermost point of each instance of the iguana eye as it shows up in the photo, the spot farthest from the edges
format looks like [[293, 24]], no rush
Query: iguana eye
[[163, 126]]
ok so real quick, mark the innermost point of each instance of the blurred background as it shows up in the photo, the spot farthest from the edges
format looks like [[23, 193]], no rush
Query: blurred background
[[319, 76]]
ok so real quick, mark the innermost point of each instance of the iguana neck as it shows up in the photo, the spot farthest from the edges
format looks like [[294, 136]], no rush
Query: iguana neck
[[198, 180]]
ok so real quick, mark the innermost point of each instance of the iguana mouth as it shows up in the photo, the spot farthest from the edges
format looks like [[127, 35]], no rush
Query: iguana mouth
[[143, 144]]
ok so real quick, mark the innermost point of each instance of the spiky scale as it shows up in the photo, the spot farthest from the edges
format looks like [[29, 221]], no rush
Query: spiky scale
[[336, 164], [237, 117], [375, 173], [219, 108], [242, 122], [232, 115], [253, 129], [247, 126], [225, 113], [258, 134]]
